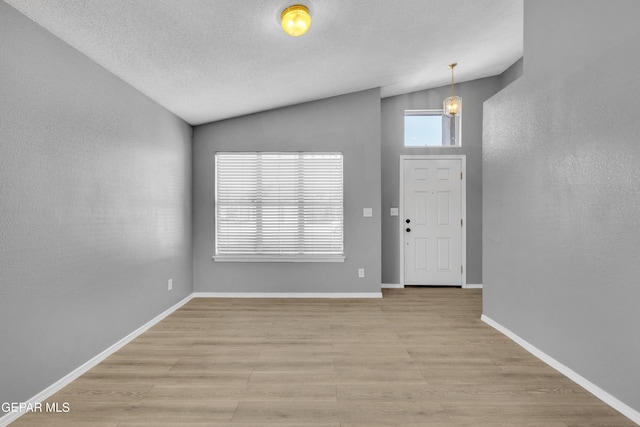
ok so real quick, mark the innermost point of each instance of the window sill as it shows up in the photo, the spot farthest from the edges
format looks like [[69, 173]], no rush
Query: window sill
[[431, 146], [251, 258]]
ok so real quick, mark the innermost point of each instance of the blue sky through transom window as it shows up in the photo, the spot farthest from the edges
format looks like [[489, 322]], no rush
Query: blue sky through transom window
[[424, 130]]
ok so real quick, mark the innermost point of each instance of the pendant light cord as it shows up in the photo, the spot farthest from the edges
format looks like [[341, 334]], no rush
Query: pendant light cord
[[452, 66]]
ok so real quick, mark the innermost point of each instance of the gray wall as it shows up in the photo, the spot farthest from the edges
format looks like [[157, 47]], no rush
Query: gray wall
[[94, 208], [473, 94], [349, 124], [513, 73], [562, 195]]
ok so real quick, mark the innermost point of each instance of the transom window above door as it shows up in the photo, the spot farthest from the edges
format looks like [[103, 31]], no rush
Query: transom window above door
[[431, 128]]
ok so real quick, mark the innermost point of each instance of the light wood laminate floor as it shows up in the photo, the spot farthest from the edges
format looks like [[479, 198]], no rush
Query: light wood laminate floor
[[417, 357]]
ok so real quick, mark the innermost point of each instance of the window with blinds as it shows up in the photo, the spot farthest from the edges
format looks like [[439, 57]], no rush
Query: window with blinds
[[279, 207]]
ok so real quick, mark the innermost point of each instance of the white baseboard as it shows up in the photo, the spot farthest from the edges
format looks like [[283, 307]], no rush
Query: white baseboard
[[73, 375], [610, 400], [287, 295], [391, 286], [399, 286]]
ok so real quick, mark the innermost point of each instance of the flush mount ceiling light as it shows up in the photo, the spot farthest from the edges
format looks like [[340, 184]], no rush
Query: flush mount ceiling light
[[296, 20], [452, 105]]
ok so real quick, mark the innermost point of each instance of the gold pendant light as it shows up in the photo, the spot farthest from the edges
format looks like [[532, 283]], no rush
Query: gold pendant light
[[452, 105], [296, 20]]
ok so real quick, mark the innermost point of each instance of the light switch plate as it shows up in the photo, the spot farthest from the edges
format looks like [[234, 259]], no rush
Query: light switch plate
[[394, 211], [367, 212]]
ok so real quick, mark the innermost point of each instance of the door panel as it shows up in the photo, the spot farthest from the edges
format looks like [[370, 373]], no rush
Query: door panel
[[432, 223], [444, 208], [421, 214], [443, 174], [422, 246], [444, 254]]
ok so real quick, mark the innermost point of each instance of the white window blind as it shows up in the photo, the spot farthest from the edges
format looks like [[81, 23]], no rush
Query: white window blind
[[279, 206]]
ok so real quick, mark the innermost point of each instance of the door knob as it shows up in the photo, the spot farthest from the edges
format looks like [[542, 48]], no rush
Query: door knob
[[408, 221], [408, 230]]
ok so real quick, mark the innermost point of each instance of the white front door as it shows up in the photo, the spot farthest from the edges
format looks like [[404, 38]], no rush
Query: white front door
[[432, 224]]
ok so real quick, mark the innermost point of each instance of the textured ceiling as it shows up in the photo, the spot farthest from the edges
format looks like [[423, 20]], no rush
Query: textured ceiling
[[207, 60]]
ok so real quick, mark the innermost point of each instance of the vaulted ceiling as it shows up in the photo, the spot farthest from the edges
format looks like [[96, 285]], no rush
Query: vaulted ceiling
[[207, 60]]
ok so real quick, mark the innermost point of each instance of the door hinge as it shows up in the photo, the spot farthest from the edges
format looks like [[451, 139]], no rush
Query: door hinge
[[461, 269], [460, 222], [460, 175]]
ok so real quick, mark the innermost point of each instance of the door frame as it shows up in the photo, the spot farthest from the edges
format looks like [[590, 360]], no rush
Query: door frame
[[463, 207]]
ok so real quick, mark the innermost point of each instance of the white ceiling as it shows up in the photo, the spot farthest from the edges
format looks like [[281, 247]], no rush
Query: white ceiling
[[207, 60]]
